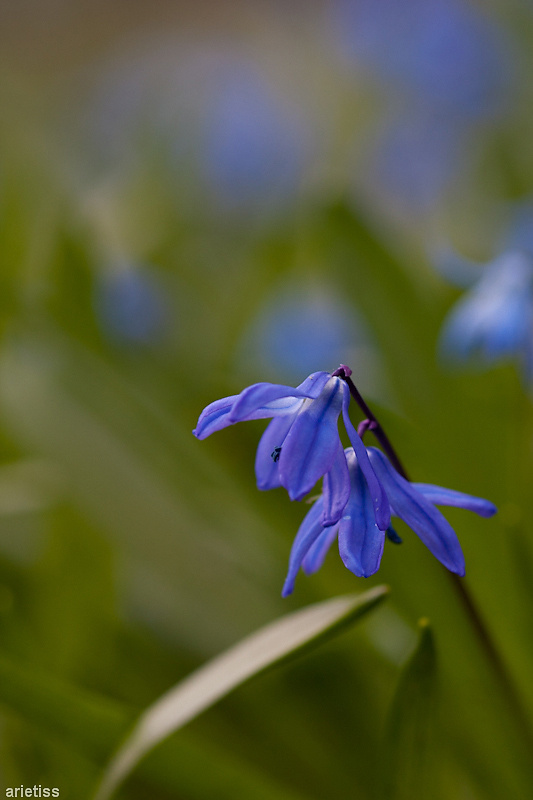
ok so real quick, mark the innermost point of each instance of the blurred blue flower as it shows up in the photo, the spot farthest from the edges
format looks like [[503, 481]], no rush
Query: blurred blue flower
[[131, 306], [213, 115], [495, 318], [444, 52], [440, 67], [255, 143], [304, 329], [302, 442], [361, 541], [297, 328]]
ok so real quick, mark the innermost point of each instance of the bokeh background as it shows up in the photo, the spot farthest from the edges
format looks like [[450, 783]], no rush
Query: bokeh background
[[195, 197]]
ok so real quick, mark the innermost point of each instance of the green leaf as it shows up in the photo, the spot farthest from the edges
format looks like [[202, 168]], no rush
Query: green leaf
[[409, 723], [272, 644]]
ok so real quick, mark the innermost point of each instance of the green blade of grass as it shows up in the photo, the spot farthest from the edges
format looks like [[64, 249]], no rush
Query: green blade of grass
[[272, 644]]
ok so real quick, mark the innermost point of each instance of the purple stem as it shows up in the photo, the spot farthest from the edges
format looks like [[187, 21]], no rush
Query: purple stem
[[344, 372]]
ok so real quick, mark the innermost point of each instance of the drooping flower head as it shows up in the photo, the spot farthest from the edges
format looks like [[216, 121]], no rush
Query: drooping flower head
[[360, 540], [361, 486], [302, 443]]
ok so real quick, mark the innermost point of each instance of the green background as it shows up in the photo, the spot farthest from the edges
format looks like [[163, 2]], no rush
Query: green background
[[130, 552]]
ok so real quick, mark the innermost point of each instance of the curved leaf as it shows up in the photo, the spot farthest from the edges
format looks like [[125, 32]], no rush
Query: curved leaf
[[271, 645]]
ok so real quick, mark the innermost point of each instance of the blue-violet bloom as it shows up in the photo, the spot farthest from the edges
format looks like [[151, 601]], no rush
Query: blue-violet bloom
[[445, 54], [495, 318], [302, 443], [131, 307], [361, 541]]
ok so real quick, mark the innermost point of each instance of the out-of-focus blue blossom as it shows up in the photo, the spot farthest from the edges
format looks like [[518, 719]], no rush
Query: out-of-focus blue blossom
[[306, 330], [131, 306], [361, 541], [211, 111], [297, 328], [444, 53], [440, 67], [495, 318], [255, 142], [302, 442], [515, 234]]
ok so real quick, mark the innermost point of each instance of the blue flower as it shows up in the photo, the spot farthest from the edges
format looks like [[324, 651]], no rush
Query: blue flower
[[361, 541], [444, 52], [297, 327], [131, 306], [256, 144], [301, 444], [495, 318]]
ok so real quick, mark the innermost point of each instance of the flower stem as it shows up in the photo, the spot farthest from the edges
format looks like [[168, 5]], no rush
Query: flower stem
[[376, 428], [486, 641], [483, 634]]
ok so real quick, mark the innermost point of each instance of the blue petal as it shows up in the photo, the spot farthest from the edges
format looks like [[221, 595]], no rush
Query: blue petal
[[313, 385], [309, 531], [424, 519], [377, 493], [336, 488], [448, 497], [360, 540], [264, 400], [312, 442], [266, 469], [319, 549], [271, 399], [214, 417]]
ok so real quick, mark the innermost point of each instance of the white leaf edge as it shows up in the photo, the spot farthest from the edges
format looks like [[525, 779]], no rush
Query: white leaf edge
[[215, 679]]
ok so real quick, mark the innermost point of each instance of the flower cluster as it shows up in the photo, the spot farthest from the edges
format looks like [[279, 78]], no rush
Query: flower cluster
[[361, 488]]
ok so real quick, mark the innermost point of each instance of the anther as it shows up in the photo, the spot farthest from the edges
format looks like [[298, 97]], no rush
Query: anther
[[366, 425], [392, 536], [275, 454]]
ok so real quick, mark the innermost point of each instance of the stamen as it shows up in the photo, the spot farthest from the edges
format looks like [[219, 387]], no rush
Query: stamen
[[366, 425], [275, 454], [392, 536]]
